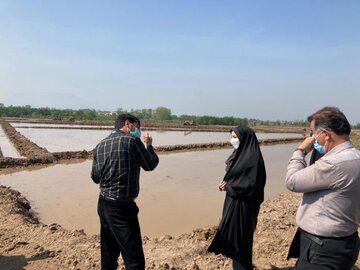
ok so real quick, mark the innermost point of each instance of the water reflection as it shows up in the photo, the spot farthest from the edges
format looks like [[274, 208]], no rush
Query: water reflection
[[179, 196], [187, 132], [56, 140]]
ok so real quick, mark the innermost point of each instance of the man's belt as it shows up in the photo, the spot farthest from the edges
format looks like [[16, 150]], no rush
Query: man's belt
[[107, 198], [312, 237]]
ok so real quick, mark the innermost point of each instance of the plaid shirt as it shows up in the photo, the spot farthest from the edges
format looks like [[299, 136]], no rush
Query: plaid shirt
[[116, 165]]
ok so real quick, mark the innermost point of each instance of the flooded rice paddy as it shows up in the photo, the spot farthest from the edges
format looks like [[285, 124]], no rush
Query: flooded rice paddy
[[179, 196], [57, 140]]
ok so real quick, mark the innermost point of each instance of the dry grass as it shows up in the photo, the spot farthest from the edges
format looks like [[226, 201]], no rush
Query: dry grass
[[355, 137]]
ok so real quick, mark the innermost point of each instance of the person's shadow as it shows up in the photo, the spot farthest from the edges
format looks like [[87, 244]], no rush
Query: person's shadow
[[17, 262], [13, 262]]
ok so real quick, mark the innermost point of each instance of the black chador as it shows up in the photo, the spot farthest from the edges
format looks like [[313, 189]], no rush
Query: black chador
[[245, 179]]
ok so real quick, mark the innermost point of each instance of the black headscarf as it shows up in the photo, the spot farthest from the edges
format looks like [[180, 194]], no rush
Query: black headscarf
[[245, 169], [245, 180]]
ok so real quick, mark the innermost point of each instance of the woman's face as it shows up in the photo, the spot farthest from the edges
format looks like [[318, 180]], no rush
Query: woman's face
[[233, 134]]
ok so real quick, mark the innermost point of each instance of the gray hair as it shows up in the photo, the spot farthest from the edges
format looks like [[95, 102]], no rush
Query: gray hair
[[331, 118]]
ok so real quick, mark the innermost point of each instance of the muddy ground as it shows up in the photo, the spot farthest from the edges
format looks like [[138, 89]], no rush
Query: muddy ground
[[27, 244]]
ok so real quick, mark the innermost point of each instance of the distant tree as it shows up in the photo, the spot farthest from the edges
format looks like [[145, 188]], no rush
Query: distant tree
[[46, 112], [35, 114], [120, 111], [85, 114], [137, 113], [2, 109], [146, 113], [162, 113]]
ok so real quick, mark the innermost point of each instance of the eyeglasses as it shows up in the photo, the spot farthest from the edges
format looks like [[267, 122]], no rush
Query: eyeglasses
[[136, 125], [317, 136]]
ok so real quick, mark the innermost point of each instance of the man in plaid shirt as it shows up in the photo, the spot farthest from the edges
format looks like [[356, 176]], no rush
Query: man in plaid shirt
[[116, 167]]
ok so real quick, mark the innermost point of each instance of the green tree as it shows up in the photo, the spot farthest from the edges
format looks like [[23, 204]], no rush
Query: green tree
[[162, 113], [120, 111]]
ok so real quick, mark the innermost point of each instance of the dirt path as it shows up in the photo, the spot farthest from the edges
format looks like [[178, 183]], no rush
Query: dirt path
[[26, 244]]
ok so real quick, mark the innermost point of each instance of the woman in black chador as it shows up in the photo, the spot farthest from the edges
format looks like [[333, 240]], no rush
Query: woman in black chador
[[244, 183]]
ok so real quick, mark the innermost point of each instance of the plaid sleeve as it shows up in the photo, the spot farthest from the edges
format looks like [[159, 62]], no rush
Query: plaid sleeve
[[95, 174], [146, 157]]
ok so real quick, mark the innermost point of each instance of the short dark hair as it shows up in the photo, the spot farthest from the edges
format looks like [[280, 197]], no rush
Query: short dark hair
[[122, 118], [331, 118]]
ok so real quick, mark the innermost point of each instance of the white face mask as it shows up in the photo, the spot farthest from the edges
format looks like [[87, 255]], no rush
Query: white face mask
[[235, 142]]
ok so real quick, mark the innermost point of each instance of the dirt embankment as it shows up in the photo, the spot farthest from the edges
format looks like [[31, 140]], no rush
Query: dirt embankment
[[27, 244], [32, 152]]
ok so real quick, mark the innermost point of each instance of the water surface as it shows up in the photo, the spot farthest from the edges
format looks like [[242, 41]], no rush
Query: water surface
[[20, 125], [57, 140], [180, 195]]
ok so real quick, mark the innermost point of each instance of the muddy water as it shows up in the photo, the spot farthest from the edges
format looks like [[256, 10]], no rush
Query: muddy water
[[56, 140], [179, 196]]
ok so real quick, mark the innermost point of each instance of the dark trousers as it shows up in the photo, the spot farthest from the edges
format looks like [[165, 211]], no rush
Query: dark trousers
[[327, 253], [120, 234]]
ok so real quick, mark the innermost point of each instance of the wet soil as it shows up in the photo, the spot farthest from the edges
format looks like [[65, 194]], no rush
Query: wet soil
[[27, 244]]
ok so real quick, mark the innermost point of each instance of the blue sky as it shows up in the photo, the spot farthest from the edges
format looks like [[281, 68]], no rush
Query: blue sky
[[270, 60]]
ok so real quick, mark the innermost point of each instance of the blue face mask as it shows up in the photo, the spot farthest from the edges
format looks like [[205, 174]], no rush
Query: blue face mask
[[318, 147], [136, 133]]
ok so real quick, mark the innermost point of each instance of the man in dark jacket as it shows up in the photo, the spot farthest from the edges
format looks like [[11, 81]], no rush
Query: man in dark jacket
[[116, 167]]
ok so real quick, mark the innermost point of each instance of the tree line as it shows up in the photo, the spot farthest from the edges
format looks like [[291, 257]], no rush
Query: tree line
[[158, 114]]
